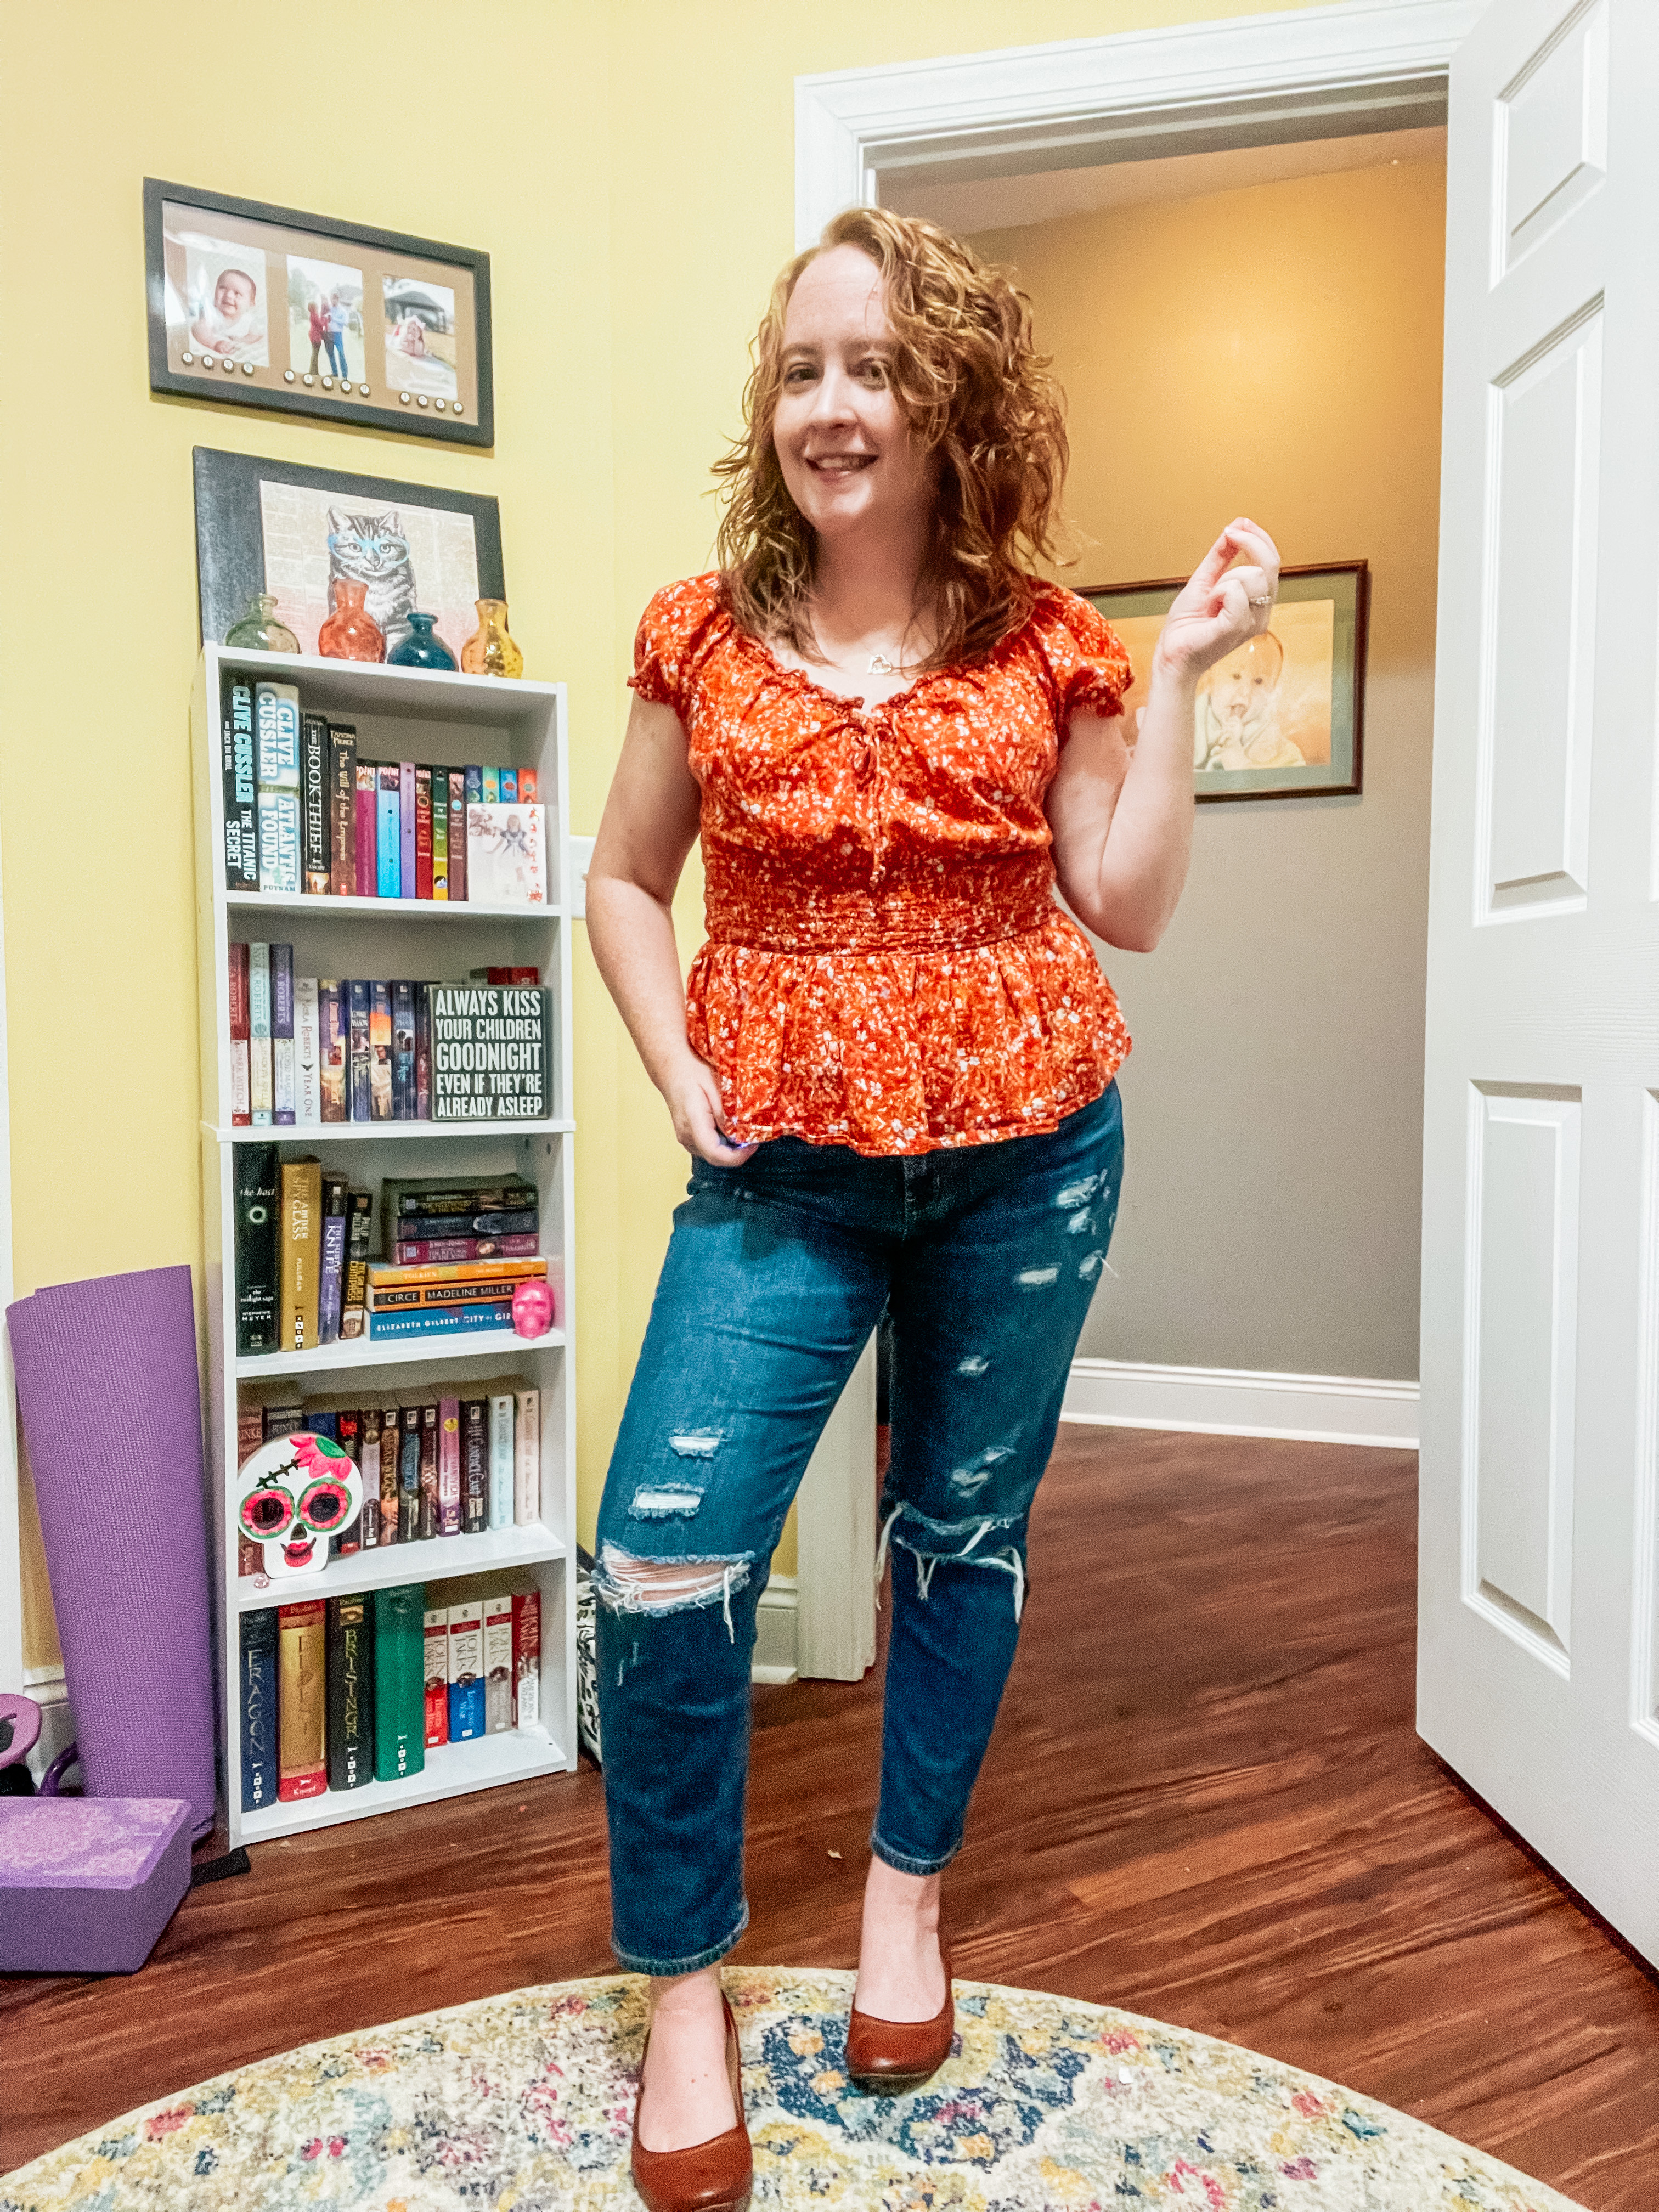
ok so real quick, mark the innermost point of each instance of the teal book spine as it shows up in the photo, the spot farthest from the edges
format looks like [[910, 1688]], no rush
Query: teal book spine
[[388, 835], [399, 1681]]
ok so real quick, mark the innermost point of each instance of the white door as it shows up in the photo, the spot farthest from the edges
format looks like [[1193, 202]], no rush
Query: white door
[[1538, 1670]]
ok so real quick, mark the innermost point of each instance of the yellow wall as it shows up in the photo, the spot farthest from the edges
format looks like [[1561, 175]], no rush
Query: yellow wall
[[1273, 352], [630, 168]]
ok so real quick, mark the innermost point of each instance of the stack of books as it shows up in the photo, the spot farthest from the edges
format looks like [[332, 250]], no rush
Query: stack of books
[[303, 1254], [304, 815], [333, 1694], [309, 1051], [433, 1467], [455, 1252]]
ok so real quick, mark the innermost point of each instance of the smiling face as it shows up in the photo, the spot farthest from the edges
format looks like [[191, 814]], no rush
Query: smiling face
[[233, 295], [848, 457], [1246, 683]]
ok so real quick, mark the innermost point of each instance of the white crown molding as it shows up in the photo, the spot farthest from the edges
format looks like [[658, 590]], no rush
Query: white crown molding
[[1232, 1402], [1298, 72]]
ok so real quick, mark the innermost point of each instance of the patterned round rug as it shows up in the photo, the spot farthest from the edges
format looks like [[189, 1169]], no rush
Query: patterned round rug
[[522, 2103]]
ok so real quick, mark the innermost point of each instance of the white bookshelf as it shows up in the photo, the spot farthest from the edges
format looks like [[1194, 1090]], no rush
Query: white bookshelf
[[399, 714]]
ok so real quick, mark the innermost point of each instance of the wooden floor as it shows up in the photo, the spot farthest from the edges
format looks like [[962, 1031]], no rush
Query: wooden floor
[[1204, 1801]]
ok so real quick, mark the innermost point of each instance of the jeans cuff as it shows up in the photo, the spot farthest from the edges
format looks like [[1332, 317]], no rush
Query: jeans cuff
[[636, 1965], [906, 1863]]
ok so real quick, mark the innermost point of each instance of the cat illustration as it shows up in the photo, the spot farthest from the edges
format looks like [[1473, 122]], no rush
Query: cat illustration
[[372, 550]]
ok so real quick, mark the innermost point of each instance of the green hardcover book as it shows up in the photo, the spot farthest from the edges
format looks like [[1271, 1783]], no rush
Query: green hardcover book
[[399, 1681], [350, 1693]]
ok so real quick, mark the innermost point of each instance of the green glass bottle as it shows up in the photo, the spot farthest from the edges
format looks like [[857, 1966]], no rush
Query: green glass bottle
[[260, 629]]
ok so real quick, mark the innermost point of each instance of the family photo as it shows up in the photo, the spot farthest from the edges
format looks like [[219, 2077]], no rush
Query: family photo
[[324, 319], [420, 336]]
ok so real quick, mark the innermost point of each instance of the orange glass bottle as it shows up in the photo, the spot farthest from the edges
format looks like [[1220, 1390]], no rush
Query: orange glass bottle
[[351, 633], [489, 651]]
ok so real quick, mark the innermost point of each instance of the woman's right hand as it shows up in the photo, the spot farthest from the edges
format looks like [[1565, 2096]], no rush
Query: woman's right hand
[[693, 1098]]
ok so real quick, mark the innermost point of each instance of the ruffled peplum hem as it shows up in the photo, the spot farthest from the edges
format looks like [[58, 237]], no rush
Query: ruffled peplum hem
[[900, 1051]]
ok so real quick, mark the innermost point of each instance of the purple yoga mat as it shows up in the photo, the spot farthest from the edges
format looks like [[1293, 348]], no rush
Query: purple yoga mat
[[112, 1411]]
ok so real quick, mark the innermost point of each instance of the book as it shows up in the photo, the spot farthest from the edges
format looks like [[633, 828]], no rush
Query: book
[[449, 1467], [388, 832], [475, 1466], [334, 1049], [406, 829], [439, 1298], [490, 791], [420, 1226], [281, 1035], [257, 1701], [350, 1648], [241, 1097], [367, 798], [457, 834], [279, 841], [359, 1051], [300, 1255], [528, 793], [438, 1322], [307, 1053], [435, 1641], [474, 786], [384, 1276], [316, 812], [506, 855], [379, 1053], [258, 1279], [498, 1664], [342, 809], [259, 1033], [507, 792], [249, 1435], [491, 1056], [350, 1436], [527, 1458], [353, 1300], [399, 1682], [368, 1466], [409, 1476], [422, 832], [301, 1734], [241, 788], [440, 833], [466, 1688], [392, 1439], [330, 1274], [403, 1051], [445, 1194], [527, 1659], [501, 1459], [283, 1420], [429, 1470], [423, 1051], [276, 737], [450, 1251]]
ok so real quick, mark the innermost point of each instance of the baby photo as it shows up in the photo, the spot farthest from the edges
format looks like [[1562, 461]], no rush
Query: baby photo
[[216, 297], [420, 336]]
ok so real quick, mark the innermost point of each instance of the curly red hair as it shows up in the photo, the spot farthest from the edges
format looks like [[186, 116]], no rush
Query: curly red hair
[[978, 396]]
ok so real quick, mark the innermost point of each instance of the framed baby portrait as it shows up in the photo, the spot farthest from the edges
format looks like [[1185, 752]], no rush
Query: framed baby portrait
[[1283, 716], [256, 306]]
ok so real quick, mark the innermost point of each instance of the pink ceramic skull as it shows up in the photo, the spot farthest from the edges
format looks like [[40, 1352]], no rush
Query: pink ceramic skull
[[532, 1308]]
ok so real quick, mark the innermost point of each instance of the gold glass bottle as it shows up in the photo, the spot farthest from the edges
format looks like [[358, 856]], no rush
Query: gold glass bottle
[[489, 651]]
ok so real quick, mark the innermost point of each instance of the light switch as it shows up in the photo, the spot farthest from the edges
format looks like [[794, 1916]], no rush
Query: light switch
[[581, 852]]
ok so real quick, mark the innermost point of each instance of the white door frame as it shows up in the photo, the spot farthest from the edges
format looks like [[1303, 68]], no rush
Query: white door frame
[[1315, 72]]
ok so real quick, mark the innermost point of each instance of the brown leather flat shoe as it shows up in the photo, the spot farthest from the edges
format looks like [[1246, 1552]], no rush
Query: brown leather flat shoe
[[715, 2176], [894, 2055]]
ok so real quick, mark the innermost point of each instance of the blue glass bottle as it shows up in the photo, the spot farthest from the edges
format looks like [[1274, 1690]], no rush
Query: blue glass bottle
[[422, 647]]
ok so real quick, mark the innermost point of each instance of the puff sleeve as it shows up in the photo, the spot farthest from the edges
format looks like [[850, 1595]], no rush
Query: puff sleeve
[[1087, 659], [667, 646]]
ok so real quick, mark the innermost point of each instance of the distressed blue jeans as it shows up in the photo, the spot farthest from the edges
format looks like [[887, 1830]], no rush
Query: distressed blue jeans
[[985, 1259]]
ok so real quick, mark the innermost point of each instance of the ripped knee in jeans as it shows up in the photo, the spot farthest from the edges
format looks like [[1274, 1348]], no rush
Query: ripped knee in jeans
[[961, 1542], [624, 1583]]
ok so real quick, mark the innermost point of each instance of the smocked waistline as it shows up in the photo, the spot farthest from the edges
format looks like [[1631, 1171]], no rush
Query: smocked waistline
[[866, 922]]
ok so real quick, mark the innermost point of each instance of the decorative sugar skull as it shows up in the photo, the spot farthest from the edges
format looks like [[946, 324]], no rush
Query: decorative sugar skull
[[532, 1307], [295, 1492]]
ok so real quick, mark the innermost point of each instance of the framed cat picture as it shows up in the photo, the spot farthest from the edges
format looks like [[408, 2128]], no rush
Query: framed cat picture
[[256, 306], [265, 526]]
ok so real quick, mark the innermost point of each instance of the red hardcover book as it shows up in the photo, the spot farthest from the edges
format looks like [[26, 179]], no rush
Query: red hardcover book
[[241, 1114], [424, 833], [301, 1678], [526, 787], [437, 1675], [368, 882], [527, 1660], [350, 1431], [458, 833]]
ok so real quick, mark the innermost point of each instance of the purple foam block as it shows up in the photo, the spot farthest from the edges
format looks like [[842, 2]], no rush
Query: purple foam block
[[107, 1388], [86, 1884]]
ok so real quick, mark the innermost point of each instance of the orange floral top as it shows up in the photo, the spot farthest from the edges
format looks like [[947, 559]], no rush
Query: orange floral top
[[886, 967]]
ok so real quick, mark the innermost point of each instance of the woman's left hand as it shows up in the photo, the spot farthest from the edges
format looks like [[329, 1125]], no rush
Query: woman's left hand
[[1221, 607]]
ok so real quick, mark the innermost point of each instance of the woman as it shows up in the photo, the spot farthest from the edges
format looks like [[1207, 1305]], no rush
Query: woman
[[893, 1066], [338, 323]]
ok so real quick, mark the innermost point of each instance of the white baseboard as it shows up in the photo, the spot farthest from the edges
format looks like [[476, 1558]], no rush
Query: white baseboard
[[1235, 1401], [775, 1632]]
